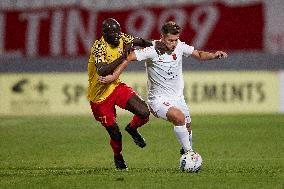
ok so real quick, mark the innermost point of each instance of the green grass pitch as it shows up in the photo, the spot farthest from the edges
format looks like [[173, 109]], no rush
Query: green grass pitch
[[240, 151]]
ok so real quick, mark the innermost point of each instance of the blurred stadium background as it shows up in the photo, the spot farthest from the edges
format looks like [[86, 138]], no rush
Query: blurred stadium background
[[44, 49]]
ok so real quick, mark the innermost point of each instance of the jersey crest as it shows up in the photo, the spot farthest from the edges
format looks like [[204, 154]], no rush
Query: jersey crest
[[174, 55]]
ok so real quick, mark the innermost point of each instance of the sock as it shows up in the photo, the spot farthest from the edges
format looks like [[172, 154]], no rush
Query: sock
[[190, 139], [183, 137], [138, 122], [116, 146]]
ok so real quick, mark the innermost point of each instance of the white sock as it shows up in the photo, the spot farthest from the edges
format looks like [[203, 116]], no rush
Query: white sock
[[183, 137]]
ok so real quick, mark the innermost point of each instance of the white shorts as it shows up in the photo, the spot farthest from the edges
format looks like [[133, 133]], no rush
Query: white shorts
[[160, 105]]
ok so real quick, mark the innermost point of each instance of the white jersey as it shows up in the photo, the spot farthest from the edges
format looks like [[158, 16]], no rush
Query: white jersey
[[164, 71]]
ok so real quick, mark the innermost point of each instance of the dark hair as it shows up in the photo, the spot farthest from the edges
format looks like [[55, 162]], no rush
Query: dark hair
[[170, 28]]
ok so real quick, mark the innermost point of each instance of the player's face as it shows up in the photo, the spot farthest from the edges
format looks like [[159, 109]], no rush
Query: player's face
[[170, 40], [112, 35]]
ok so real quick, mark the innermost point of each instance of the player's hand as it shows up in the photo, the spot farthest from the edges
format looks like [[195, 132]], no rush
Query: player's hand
[[127, 49], [106, 79], [220, 55]]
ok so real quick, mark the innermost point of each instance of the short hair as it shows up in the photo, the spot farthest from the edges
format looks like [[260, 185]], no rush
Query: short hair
[[170, 28]]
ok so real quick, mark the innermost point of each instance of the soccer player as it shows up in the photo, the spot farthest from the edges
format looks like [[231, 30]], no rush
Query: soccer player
[[165, 79], [106, 54]]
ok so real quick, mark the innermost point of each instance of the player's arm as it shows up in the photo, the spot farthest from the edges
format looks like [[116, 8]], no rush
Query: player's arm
[[140, 54], [104, 68], [135, 41], [142, 42], [97, 60], [115, 75], [202, 55]]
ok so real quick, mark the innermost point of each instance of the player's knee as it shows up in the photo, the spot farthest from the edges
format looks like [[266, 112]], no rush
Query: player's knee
[[137, 106], [177, 118], [114, 132], [144, 112]]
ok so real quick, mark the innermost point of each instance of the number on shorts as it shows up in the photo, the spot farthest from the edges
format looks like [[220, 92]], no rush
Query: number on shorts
[[102, 119]]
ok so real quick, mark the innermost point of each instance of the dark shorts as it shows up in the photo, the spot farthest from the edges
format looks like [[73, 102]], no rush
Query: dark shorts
[[105, 112]]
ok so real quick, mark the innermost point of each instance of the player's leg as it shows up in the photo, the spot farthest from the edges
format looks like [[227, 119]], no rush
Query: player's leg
[[176, 116], [130, 101], [104, 112], [141, 116], [189, 129], [170, 111], [140, 110], [183, 106], [116, 144]]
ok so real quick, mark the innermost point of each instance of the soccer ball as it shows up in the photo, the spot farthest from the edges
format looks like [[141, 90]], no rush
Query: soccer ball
[[190, 162]]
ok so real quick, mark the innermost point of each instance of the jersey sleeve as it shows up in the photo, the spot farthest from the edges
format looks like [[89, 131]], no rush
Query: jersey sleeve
[[127, 39], [187, 49], [98, 53], [146, 53]]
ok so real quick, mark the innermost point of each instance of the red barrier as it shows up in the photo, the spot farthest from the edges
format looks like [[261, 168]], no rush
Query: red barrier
[[70, 31]]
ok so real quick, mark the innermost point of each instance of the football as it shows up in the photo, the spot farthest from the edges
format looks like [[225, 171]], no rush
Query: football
[[190, 162]]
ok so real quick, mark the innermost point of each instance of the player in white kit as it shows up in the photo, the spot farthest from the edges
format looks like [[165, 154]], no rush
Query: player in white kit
[[165, 79]]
